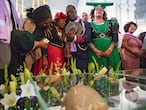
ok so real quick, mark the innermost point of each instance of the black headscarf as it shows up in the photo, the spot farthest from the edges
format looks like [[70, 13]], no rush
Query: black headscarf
[[41, 13]]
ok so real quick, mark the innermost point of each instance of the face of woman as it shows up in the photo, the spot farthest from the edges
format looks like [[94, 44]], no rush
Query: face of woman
[[45, 23], [71, 13], [132, 28], [98, 12], [61, 23]]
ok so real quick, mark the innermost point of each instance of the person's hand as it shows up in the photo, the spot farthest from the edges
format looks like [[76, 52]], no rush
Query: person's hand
[[45, 63], [107, 52], [70, 37], [136, 51], [44, 43], [99, 53]]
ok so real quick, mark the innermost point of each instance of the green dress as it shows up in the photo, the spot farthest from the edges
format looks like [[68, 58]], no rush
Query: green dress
[[102, 37]]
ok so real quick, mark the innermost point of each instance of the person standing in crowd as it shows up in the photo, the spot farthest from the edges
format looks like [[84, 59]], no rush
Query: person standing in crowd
[[57, 43], [103, 46], [92, 14], [84, 16], [27, 41], [41, 20], [22, 42], [9, 21], [131, 48], [142, 37], [120, 37], [79, 42]]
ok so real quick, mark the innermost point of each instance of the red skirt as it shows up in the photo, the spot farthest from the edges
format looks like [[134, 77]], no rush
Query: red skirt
[[38, 68], [55, 61], [55, 58]]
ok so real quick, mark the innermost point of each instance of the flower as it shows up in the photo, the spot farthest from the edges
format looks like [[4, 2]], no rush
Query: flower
[[2, 89], [9, 100], [27, 90], [13, 86]]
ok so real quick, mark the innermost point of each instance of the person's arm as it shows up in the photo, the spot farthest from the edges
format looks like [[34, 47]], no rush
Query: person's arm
[[109, 50], [114, 32], [86, 37], [114, 37], [22, 41], [43, 43], [98, 53], [125, 45]]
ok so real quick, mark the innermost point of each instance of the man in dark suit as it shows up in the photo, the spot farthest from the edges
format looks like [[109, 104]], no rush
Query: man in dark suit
[[79, 42]]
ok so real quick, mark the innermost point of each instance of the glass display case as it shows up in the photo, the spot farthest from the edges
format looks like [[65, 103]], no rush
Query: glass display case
[[132, 91], [124, 90]]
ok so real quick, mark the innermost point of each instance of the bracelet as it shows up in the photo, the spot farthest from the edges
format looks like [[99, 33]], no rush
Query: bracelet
[[110, 49]]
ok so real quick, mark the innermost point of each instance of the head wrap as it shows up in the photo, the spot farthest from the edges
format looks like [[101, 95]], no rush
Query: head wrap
[[103, 5], [60, 15], [41, 13]]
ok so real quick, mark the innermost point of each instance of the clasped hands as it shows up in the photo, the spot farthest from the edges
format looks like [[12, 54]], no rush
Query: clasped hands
[[136, 51], [105, 53]]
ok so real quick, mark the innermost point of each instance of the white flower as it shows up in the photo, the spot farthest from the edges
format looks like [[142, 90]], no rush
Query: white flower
[[27, 90], [9, 100]]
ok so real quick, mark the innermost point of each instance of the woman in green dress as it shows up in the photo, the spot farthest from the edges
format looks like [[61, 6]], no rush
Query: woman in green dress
[[103, 46]]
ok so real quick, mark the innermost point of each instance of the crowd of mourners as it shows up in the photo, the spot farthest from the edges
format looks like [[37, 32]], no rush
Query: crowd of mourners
[[45, 43]]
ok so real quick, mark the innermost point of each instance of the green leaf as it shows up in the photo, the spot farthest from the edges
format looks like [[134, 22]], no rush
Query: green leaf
[[27, 74], [13, 78], [50, 69], [118, 68], [41, 101], [96, 64], [6, 78], [91, 68]]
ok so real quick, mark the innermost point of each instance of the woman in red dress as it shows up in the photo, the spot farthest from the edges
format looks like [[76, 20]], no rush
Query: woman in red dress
[[56, 45], [55, 51]]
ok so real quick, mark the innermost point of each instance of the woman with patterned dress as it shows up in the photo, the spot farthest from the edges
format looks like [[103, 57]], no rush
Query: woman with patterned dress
[[131, 48], [37, 21], [103, 46], [56, 45]]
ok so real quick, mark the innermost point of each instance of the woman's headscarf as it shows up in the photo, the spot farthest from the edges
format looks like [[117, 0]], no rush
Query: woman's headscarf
[[41, 13]]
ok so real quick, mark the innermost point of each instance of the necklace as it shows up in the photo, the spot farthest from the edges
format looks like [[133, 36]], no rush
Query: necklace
[[100, 28]]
